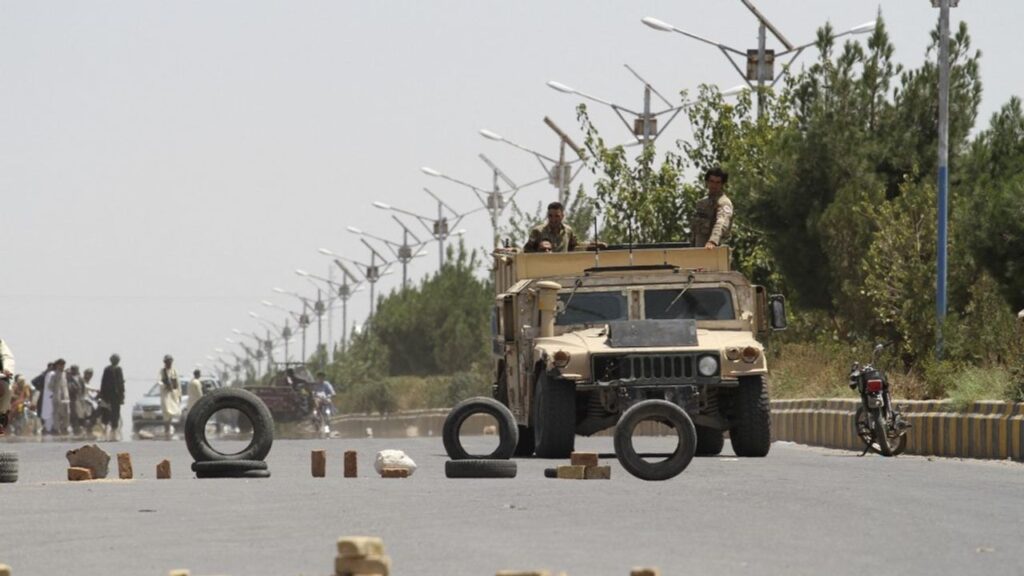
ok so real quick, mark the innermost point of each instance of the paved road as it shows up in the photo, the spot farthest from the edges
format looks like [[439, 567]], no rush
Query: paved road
[[799, 511]]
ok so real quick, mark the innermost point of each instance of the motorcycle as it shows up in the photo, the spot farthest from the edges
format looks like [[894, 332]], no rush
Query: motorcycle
[[878, 422], [322, 409]]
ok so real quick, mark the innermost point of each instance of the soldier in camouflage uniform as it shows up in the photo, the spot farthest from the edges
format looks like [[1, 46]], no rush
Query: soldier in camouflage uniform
[[555, 236], [713, 217]]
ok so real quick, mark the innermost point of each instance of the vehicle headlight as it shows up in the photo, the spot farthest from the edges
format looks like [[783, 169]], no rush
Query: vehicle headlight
[[707, 365], [751, 354], [561, 359], [732, 353]]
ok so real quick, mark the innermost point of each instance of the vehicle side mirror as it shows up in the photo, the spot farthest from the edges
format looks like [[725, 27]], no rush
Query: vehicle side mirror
[[777, 305]]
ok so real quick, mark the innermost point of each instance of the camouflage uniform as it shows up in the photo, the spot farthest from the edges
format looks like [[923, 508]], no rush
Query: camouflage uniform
[[712, 221], [563, 240]]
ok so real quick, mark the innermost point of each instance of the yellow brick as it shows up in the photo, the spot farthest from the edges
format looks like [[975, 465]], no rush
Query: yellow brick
[[597, 473], [76, 474], [362, 566], [394, 472], [360, 547], [583, 459], [572, 472]]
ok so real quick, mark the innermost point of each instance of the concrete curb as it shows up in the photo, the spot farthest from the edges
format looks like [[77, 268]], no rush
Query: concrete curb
[[986, 430]]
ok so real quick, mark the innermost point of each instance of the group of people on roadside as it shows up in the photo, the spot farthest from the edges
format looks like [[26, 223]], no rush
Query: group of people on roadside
[[710, 225], [59, 401]]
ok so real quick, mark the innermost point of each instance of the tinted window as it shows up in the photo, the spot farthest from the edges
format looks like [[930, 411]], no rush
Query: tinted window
[[592, 308], [695, 304]]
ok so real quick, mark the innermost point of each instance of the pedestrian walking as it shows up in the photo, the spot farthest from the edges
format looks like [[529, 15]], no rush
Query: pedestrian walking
[[76, 398], [712, 220], [39, 384], [195, 390], [112, 396], [58, 401], [170, 394]]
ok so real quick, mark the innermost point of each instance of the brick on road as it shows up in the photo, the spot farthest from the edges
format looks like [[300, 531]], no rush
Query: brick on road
[[76, 474], [124, 466], [571, 472], [318, 463], [163, 470], [583, 459]]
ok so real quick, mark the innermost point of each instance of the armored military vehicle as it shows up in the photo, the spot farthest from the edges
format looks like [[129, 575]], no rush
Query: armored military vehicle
[[580, 337]]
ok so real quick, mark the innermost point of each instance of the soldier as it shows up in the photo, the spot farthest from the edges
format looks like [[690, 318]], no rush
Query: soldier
[[713, 217], [555, 236]]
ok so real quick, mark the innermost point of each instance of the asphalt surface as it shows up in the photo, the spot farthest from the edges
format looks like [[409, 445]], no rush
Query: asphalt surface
[[799, 511]]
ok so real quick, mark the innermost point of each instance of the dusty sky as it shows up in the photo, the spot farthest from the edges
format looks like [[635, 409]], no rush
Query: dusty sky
[[164, 165]]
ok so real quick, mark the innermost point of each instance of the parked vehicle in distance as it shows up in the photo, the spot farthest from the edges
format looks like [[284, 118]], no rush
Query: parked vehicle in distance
[[146, 413]]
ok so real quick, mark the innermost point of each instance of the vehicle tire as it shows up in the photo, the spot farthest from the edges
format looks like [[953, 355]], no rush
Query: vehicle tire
[[709, 441], [525, 445], [229, 398], [480, 468], [8, 467], [235, 474], [229, 466], [508, 432], [750, 429], [554, 417], [660, 411], [881, 428]]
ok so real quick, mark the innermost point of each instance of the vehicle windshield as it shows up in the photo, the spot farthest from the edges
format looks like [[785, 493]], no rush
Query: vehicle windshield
[[592, 308], [695, 304]]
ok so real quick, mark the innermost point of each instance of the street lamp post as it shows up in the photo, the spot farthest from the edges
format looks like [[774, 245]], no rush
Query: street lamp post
[[943, 171], [494, 200], [560, 173], [645, 124], [440, 227], [343, 292], [403, 252], [303, 318], [284, 331], [760, 62], [371, 272]]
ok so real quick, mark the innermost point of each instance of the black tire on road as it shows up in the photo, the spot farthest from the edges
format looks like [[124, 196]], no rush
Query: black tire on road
[[750, 429], [480, 468], [709, 441], [508, 432], [554, 417], [229, 466], [223, 399], [525, 445], [235, 474], [666, 413], [8, 467]]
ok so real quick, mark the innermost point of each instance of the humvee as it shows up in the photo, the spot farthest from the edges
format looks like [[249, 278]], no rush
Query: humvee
[[582, 336]]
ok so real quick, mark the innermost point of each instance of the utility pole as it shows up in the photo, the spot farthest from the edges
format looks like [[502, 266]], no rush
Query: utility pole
[[943, 171]]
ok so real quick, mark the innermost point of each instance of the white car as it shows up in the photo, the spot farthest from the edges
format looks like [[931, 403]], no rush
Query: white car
[[146, 413]]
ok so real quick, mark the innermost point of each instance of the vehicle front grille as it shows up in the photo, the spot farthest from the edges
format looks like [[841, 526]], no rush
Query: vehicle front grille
[[645, 368]]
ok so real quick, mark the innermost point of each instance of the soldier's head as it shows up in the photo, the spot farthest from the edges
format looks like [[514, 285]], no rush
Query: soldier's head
[[556, 213], [545, 246], [715, 179]]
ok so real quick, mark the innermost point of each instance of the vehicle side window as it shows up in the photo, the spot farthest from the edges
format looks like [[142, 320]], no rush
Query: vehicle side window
[[695, 304]]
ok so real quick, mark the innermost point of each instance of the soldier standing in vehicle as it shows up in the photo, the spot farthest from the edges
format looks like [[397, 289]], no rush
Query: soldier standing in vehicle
[[555, 236], [713, 218]]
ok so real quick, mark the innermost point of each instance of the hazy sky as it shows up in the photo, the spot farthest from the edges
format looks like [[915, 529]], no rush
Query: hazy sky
[[163, 165]]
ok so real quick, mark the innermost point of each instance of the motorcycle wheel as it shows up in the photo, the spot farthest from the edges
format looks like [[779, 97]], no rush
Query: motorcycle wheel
[[880, 432]]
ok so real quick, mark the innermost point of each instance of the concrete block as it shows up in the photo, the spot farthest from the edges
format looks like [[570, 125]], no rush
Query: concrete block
[[351, 464], [360, 547], [124, 466], [597, 473], [572, 472], [394, 472], [77, 474], [645, 572], [583, 459], [319, 463], [163, 470], [362, 566]]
